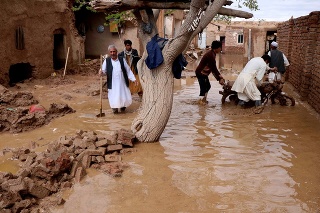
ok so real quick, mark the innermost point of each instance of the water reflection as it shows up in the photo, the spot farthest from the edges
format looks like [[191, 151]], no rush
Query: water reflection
[[241, 164]]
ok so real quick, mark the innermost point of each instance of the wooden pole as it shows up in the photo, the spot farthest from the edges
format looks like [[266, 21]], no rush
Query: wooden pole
[[100, 86], [65, 66]]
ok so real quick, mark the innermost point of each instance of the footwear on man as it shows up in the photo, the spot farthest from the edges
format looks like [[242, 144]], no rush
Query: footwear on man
[[258, 103], [241, 103], [123, 109], [114, 110], [201, 101]]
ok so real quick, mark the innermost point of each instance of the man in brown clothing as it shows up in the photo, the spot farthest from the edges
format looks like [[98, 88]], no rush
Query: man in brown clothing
[[206, 66]]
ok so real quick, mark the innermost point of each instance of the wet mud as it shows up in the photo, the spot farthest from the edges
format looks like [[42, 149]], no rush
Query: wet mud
[[210, 158], [20, 111]]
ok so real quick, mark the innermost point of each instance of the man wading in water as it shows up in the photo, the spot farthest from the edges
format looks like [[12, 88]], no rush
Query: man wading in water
[[206, 66]]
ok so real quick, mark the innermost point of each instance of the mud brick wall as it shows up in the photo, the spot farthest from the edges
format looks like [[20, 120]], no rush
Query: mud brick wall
[[39, 21], [299, 40], [231, 44]]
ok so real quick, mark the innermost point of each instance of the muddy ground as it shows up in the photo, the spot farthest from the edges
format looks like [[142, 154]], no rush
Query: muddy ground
[[43, 173], [70, 105]]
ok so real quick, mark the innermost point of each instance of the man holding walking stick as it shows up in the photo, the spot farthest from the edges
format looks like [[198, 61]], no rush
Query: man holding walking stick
[[118, 75]]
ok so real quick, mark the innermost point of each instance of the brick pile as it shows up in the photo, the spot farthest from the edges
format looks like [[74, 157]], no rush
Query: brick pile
[[63, 163]]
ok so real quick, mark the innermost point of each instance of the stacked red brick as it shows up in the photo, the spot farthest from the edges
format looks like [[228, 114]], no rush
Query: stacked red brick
[[299, 39]]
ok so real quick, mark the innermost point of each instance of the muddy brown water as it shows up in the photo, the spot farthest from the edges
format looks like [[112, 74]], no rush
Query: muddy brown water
[[214, 158]]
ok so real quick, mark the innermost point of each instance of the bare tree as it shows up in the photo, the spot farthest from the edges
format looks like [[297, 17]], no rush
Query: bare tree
[[157, 83]]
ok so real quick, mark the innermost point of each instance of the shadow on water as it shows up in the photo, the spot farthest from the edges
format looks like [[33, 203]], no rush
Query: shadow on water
[[213, 158]]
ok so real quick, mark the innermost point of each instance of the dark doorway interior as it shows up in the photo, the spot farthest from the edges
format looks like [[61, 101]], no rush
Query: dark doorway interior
[[19, 72], [223, 41], [271, 36], [58, 51]]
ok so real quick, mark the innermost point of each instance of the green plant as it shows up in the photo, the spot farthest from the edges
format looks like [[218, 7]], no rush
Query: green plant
[[168, 12], [251, 4], [118, 18], [79, 4]]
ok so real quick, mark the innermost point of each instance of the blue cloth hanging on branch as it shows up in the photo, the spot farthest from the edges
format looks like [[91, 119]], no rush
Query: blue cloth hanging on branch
[[155, 57], [178, 65]]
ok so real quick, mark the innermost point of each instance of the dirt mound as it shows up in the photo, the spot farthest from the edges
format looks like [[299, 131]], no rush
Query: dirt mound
[[15, 114], [10, 99], [88, 68]]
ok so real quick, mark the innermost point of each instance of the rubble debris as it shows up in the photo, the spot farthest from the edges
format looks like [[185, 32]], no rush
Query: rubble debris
[[10, 99], [90, 67], [36, 108], [20, 112], [63, 163]]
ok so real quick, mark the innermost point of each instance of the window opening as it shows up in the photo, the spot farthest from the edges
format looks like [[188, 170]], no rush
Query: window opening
[[240, 39], [19, 38]]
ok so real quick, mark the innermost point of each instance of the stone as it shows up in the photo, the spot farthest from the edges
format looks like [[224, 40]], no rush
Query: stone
[[112, 158], [116, 147], [80, 173]]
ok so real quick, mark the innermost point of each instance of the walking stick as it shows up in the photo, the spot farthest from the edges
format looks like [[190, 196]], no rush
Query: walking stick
[[101, 114]]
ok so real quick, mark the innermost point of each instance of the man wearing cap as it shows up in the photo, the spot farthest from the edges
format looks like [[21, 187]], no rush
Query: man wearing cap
[[279, 60], [118, 75]]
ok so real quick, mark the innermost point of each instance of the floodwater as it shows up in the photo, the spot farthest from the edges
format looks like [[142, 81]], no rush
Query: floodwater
[[213, 158]]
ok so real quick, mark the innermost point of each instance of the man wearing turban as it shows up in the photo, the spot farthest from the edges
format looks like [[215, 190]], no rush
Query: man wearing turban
[[279, 60]]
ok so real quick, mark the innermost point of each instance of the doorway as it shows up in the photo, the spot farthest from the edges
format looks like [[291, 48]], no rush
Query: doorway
[[59, 54], [271, 36], [223, 42]]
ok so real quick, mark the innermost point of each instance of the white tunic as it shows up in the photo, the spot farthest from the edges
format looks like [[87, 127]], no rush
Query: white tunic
[[245, 84], [119, 96]]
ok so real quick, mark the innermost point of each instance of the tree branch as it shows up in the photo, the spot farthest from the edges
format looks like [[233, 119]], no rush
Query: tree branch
[[111, 5], [234, 13]]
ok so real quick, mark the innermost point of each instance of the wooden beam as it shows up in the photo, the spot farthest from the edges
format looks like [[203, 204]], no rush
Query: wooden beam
[[234, 13], [122, 5]]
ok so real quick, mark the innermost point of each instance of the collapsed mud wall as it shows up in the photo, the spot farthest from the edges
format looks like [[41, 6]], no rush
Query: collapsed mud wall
[[299, 40], [30, 31]]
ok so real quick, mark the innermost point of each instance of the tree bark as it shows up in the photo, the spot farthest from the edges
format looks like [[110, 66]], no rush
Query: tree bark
[[157, 85], [156, 105]]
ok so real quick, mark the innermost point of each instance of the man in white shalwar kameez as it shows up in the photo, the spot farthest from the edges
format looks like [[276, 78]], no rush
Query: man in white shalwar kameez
[[245, 84], [118, 75]]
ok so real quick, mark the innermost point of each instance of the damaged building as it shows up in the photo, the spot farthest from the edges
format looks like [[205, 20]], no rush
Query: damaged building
[[37, 34], [35, 38]]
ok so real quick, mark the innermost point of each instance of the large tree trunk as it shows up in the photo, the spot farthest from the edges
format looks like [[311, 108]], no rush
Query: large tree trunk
[[157, 86], [157, 83], [156, 103]]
